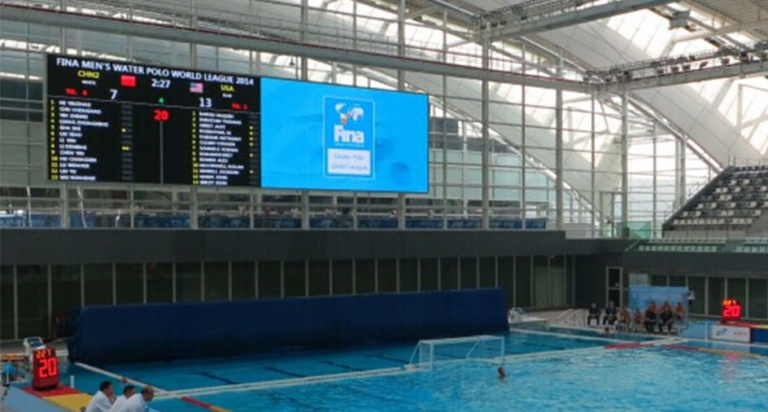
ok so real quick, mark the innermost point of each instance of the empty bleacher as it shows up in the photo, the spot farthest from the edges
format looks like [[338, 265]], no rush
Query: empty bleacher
[[733, 203], [753, 246], [683, 245]]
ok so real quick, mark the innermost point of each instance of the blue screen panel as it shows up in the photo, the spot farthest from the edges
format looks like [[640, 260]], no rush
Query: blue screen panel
[[327, 137]]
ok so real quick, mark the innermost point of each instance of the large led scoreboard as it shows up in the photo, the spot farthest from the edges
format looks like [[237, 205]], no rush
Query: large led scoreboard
[[111, 121], [115, 121]]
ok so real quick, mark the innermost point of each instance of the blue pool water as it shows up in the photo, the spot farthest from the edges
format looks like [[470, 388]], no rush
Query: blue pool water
[[644, 379]]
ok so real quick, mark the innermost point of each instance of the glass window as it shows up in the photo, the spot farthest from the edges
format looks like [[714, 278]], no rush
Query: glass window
[[408, 275], [449, 273], [65, 288], [6, 303], [243, 280], [98, 284], [659, 280], [342, 277], [523, 281], [558, 283], [468, 267], [365, 279], [319, 278], [387, 272], [696, 284], [487, 272], [33, 298], [716, 296], [758, 292], [130, 283], [269, 280], [295, 278], [217, 281], [507, 278], [542, 285], [189, 282], [737, 289], [429, 274], [159, 282], [677, 281], [614, 277]]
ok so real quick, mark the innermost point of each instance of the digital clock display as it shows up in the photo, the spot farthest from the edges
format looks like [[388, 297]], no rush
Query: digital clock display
[[731, 310], [45, 369]]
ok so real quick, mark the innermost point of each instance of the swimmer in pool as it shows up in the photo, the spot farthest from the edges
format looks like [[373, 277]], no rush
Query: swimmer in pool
[[502, 373]]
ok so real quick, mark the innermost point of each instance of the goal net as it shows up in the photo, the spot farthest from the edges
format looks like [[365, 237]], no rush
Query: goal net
[[483, 348]]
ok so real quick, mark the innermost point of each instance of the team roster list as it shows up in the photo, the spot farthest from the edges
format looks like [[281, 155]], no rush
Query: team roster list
[[123, 122]]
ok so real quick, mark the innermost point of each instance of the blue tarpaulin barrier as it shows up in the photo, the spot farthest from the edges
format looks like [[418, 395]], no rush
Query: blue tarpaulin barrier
[[133, 333]]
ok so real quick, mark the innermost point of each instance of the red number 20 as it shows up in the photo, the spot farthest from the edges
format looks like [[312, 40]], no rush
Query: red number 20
[[48, 367], [732, 311]]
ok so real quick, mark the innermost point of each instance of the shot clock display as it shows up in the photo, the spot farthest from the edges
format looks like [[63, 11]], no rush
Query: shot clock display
[[45, 369], [731, 310], [112, 121]]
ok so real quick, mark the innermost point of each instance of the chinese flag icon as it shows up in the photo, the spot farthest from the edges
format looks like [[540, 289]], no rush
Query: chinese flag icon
[[127, 81]]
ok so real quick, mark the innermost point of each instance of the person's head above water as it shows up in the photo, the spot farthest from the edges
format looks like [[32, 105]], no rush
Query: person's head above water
[[502, 372]]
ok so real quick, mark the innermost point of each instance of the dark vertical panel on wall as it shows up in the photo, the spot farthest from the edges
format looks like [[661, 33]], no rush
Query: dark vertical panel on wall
[[507, 278], [468, 269], [697, 284], [269, 279], [570, 263], [408, 275], [159, 282], [676, 280], [365, 276], [65, 288], [590, 281], [542, 283], [429, 272], [188, 282], [487, 272], [387, 275], [295, 278], [659, 280], [716, 295], [243, 280], [737, 289], [523, 267], [6, 303], [319, 278], [130, 283], [449, 273], [98, 284], [758, 293], [217, 281], [342, 277], [33, 297]]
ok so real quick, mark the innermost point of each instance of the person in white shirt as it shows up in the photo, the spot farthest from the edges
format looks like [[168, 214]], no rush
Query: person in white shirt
[[128, 391], [102, 401], [138, 403]]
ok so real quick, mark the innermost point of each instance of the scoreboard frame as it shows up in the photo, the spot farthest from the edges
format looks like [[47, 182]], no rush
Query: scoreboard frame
[[107, 183]]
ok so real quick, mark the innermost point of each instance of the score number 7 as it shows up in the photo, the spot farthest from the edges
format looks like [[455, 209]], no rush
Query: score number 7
[[112, 94]]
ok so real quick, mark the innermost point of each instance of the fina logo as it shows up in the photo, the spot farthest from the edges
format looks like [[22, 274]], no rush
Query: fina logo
[[348, 114], [721, 332]]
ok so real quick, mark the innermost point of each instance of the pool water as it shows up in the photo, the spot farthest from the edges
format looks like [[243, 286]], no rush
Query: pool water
[[546, 373]]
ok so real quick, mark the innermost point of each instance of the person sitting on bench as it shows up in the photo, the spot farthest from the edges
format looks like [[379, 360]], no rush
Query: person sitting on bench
[[650, 317], [610, 314], [594, 313], [623, 322], [667, 318]]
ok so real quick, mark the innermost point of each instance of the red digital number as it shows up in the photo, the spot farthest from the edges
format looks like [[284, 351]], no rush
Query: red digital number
[[162, 115], [48, 368], [731, 309]]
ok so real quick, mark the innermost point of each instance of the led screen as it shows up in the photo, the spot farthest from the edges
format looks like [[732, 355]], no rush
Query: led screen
[[327, 137]]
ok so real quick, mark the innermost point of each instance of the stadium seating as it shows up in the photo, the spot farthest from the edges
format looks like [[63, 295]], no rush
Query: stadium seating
[[731, 203]]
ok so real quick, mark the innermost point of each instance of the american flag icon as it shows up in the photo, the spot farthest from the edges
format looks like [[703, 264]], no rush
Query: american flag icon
[[195, 87]]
